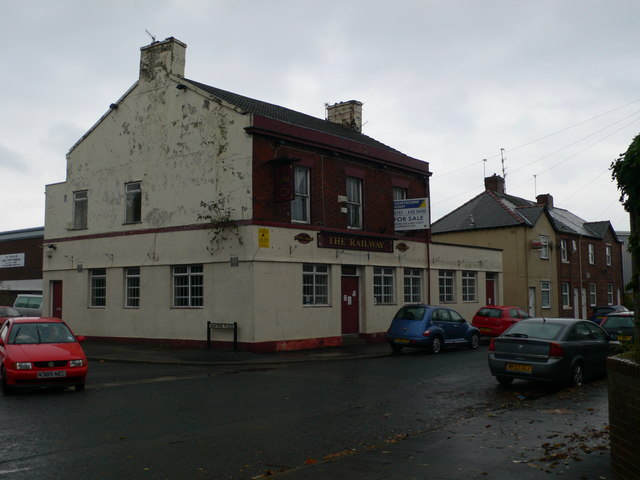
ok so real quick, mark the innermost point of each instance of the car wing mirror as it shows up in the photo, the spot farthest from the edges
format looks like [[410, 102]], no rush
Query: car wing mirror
[[81, 338]]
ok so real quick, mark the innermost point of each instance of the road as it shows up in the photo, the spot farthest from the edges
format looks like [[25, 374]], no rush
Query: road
[[176, 422]]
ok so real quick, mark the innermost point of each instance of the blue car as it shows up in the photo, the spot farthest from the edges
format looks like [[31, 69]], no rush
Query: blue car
[[431, 328]]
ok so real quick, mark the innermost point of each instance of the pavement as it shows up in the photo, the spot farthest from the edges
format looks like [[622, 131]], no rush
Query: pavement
[[563, 435]]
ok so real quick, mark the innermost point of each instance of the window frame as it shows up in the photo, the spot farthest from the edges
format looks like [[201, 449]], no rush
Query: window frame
[[131, 287], [98, 288], [384, 285], [80, 209], [133, 202], [354, 202], [608, 253], [412, 285], [609, 293], [544, 250], [565, 290], [316, 278], [564, 251], [593, 295], [545, 294], [446, 286], [591, 248], [469, 286], [194, 275], [300, 205]]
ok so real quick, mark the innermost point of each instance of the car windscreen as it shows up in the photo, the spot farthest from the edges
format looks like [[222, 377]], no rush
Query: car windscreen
[[542, 330], [29, 333], [410, 313], [489, 312]]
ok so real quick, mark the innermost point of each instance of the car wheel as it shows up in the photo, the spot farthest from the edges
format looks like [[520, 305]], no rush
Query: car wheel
[[504, 380], [474, 342], [577, 375], [396, 348], [6, 389], [436, 345]]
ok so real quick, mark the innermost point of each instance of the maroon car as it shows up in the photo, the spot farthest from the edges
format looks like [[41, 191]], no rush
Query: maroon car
[[492, 320]]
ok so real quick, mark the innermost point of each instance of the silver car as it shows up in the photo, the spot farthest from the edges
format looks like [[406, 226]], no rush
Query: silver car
[[550, 349]]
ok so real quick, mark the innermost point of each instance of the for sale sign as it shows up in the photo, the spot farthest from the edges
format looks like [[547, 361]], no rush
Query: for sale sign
[[411, 214]]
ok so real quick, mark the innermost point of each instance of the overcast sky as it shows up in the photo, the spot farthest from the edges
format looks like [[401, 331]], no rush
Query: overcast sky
[[554, 83]]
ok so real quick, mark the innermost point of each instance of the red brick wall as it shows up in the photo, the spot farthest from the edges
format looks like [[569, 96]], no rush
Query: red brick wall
[[328, 175], [624, 417]]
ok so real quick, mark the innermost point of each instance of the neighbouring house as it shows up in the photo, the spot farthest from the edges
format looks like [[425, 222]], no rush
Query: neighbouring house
[[626, 258], [554, 263], [20, 263]]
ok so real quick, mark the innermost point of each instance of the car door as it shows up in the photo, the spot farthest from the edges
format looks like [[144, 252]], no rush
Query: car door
[[599, 347], [452, 324]]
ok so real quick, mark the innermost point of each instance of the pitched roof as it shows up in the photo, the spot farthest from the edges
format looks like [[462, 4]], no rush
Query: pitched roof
[[292, 117]]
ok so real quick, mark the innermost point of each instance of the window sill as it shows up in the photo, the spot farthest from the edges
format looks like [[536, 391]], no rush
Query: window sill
[[132, 223]]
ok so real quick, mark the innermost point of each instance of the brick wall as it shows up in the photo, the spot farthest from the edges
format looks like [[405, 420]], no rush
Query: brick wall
[[624, 417]]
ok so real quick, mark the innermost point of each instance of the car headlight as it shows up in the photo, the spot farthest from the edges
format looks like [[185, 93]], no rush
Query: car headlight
[[24, 366], [76, 363]]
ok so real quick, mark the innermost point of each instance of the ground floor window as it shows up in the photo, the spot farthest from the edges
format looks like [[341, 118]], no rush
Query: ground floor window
[[446, 286], [593, 299], [315, 284], [609, 293], [566, 299], [98, 287], [132, 287], [383, 291], [469, 286], [188, 286], [545, 291], [412, 285]]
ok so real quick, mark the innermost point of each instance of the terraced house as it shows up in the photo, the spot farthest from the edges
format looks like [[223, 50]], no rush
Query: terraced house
[[554, 263]]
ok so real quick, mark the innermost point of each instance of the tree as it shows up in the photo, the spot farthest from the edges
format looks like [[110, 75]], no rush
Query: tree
[[626, 172]]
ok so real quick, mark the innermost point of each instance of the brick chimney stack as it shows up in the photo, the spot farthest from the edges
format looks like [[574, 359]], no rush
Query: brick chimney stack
[[159, 60], [494, 183], [347, 113], [545, 199]]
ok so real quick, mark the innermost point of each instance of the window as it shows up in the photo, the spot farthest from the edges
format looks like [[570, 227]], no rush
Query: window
[[469, 286], [354, 203], [609, 293], [300, 202], [592, 254], [545, 291], [592, 294], [80, 209], [383, 285], [188, 286], [446, 282], [98, 287], [132, 287], [608, 254], [133, 195], [544, 250], [399, 193], [412, 285], [564, 253], [315, 284], [566, 299]]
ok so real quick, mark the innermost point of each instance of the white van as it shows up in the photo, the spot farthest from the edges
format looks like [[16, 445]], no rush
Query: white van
[[29, 305]]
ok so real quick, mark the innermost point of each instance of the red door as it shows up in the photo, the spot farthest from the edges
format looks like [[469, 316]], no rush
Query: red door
[[56, 298], [350, 305], [491, 289]]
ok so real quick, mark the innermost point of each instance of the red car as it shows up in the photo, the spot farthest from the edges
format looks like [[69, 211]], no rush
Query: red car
[[492, 320], [40, 352]]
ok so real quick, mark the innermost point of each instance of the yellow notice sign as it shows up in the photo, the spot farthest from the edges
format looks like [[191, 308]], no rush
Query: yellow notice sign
[[263, 238]]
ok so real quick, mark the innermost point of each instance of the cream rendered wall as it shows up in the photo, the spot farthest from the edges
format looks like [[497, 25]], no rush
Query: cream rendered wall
[[459, 259]]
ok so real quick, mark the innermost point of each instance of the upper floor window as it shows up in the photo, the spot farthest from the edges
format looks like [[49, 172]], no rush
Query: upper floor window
[[412, 285], [133, 199], [592, 254], [188, 286], [383, 284], [354, 203], [544, 250], [399, 193], [98, 287], [564, 253], [300, 202], [80, 209], [608, 254], [446, 286]]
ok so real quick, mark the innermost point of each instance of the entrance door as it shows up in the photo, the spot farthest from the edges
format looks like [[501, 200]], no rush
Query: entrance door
[[56, 298], [350, 305], [532, 301], [491, 289]]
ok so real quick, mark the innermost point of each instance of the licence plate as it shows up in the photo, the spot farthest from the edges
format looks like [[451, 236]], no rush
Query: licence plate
[[624, 338], [518, 367], [402, 340], [52, 374]]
